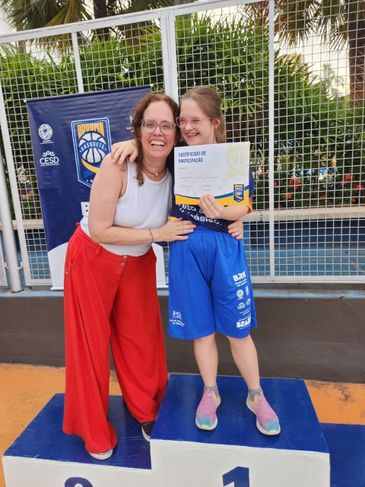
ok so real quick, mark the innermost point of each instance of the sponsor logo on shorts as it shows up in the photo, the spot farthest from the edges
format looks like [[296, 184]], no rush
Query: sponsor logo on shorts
[[239, 294], [243, 323], [240, 279], [176, 319]]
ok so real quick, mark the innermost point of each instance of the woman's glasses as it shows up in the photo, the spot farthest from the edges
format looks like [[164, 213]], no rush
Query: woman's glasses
[[150, 126], [194, 122]]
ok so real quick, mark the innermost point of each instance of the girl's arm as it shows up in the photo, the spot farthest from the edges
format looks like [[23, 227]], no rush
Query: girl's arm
[[212, 209], [108, 185], [127, 149]]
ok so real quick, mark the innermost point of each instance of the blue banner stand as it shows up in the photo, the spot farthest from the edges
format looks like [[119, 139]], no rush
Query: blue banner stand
[[180, 455]]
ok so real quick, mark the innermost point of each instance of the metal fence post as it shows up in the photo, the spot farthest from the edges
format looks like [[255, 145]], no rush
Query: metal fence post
[[169, 56], [13, 186], [76, 51], [8, 233], [271, 139]]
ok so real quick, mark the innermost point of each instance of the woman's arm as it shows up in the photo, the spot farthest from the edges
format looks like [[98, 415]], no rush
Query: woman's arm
[[235, 229], [108, 185]]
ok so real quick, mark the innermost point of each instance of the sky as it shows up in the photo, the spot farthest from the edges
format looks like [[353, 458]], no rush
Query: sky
[[317, 53], [4, 27]]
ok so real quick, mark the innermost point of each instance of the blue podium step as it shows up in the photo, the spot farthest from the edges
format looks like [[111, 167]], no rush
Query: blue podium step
[[43, 439], [43, 456], [234, 455], [237, 425]]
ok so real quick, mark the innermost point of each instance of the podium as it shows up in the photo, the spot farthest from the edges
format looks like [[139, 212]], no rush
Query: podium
[[235, 454]]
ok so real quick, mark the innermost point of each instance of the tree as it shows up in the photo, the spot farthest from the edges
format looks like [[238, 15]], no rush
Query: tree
[[339, 21], [23, 14]]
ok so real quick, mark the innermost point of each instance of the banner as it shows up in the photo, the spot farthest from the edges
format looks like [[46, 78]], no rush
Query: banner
[[70, 137]]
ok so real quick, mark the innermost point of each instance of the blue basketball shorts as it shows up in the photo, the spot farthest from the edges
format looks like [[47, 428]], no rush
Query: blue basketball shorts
[[209, 287]]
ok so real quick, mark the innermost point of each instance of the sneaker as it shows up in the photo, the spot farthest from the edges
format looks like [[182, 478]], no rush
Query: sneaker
[[267, 421], [206, 418], [147, 429], [102, 456]]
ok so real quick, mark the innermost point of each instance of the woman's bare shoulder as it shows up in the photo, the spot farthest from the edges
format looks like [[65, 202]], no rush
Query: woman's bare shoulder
[[110, 167], [108, 161]]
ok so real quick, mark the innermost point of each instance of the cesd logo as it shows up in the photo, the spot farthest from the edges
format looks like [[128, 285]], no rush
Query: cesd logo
[[49, 158], [92, 142]]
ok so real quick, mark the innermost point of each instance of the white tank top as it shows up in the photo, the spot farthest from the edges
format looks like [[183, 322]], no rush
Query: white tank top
[[145, 206]]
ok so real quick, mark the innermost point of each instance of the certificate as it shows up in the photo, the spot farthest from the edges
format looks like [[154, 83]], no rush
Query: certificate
[[219, 169]]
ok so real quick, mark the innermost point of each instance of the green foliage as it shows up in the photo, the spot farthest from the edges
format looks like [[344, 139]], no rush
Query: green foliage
[[318, 134], [24, 76], [121, 62], [318, 137]]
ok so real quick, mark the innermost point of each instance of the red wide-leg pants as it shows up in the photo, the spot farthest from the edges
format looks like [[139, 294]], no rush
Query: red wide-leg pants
[[110, 299]]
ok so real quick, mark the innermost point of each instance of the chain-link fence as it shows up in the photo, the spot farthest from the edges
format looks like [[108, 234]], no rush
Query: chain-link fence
[[293, 94]]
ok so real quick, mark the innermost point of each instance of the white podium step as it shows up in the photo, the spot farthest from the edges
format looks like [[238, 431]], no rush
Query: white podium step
[[235, 454]]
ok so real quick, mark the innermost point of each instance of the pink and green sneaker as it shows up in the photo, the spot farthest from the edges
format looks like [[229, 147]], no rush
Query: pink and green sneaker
[[206, 418], [267, 421]]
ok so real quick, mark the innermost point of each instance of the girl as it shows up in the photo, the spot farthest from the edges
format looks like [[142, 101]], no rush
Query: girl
[[209, 283]]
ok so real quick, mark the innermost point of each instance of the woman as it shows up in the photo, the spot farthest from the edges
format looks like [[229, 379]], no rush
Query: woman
[[110, 285]]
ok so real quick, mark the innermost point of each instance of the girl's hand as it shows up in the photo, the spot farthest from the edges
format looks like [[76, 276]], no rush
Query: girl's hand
[[121, 151], [210, 206], [235, 229], [176, 229]]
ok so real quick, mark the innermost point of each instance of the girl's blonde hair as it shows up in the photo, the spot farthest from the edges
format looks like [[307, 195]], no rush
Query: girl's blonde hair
[[211, 104]]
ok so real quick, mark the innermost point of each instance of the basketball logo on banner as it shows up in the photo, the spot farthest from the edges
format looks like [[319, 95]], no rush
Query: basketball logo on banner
[[92, 142]]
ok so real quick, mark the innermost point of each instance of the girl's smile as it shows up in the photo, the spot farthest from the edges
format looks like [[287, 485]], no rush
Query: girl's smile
[[198, 128]]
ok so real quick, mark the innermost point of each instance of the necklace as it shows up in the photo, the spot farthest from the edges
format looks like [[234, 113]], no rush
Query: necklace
[[153, 173]]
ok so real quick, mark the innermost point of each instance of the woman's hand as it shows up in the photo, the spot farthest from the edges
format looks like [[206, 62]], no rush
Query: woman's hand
[[176, 229], [210, 206], [121, 151], [235, 229]]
